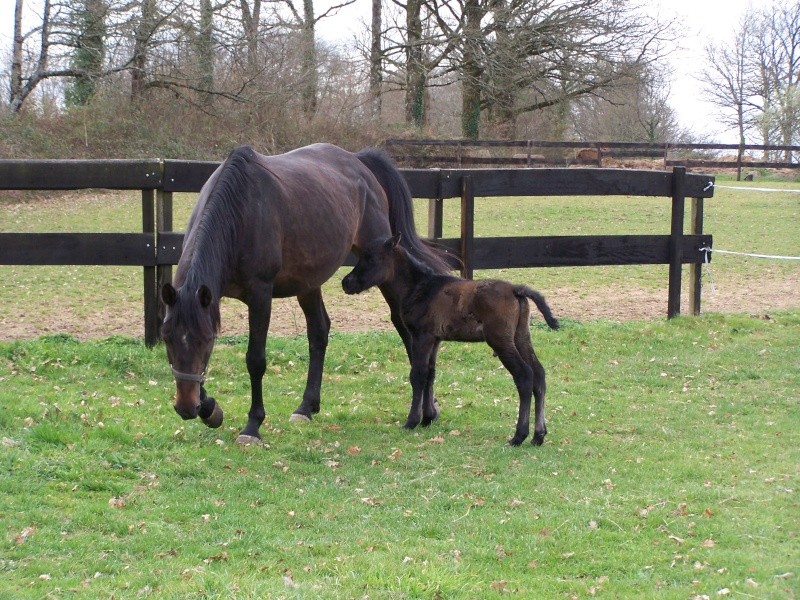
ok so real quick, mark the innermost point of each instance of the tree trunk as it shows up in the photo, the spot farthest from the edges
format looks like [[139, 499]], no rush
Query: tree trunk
[[416, 77], [205, 51], [16, 54], [142, 36], [471, 71], [309, 60], [503, 68], [375, 61], [89, 52]]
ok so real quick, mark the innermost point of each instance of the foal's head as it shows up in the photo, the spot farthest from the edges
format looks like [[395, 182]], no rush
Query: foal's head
[[374, 267], [190, 326]]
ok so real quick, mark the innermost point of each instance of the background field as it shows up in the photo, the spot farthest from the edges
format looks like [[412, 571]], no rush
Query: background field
[[671, 469]]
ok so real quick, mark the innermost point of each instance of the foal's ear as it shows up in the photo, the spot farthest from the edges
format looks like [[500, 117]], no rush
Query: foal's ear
[[204, 296], [393, 241], [169, 295]]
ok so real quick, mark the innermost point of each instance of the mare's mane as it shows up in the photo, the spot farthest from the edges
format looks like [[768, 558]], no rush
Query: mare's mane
[[221, 218], [216, 231]]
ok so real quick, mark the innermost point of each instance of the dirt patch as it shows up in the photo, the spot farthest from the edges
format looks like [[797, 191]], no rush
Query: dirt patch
[[368, 312]]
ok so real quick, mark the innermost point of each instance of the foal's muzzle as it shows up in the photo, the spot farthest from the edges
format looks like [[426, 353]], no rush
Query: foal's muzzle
[[350, 285]]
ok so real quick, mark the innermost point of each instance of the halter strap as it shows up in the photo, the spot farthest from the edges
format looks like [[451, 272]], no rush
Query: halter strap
[[179, 376]]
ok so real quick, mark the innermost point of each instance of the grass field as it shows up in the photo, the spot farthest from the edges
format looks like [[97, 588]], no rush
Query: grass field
[[671, 471]]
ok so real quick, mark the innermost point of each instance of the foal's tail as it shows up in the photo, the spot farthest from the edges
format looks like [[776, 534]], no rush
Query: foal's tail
[[401, 214], [523, 291]]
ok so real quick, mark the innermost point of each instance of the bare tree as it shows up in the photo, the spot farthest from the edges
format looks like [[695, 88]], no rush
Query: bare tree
[[777, 46], [636, 112], [519, 56], [305, 21], [728, 82]]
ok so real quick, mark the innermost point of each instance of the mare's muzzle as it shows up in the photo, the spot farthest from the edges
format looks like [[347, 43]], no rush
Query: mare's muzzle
[[189, 393]]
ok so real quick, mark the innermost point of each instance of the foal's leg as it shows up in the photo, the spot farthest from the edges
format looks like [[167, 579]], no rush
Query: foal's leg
[[430, 409], [397, 320], [259, 310], [318, 326], [422, 348], [522, 340], [523, 378]]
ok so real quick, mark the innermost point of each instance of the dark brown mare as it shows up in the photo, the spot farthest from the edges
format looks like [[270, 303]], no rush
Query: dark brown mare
[[269, 227], [436, 306]]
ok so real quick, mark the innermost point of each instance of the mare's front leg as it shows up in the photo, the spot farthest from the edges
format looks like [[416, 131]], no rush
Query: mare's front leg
[[430, 409], [259, 310], [318, 326], [422, 347]]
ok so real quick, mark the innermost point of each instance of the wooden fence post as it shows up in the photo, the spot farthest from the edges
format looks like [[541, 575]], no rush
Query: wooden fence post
[[676, 241], [695, 269], [163, 225], [150, 282], [435, 216], [436, 212], [467, 245]]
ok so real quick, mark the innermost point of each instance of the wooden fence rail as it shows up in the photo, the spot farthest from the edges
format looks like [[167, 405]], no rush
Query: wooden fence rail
[[157, 247]]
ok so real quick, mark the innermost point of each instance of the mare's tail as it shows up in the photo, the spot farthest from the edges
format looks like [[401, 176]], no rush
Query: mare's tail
[[401, 214], [523, 291]]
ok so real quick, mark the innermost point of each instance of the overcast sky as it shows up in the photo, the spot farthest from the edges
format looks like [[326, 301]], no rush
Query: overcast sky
[[702, 21]]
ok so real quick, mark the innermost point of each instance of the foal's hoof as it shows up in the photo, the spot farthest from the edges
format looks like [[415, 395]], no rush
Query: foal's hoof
[[248, 440], [538, 439], [213, 420], [299, 418]]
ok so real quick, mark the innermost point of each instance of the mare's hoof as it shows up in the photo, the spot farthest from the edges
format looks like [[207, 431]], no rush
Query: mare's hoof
[[248, 440], [299, 418], [436, 412], [410, 425], [538, 439], [515, 441], [214, 420]]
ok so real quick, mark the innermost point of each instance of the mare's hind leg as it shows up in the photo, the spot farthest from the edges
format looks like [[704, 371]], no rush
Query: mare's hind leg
[[430, 409], [318, 326], [522, 340], [523, 378], [259, 310]]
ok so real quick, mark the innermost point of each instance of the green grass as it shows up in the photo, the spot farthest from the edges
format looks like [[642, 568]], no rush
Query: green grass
[[671, 471]]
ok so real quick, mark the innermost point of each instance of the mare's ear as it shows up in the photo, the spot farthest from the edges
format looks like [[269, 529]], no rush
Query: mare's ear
[[393, 241], [169, 295], [204, 296]]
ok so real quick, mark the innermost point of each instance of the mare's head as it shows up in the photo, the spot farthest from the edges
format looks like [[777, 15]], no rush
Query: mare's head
[[189, 329], [374, 267]]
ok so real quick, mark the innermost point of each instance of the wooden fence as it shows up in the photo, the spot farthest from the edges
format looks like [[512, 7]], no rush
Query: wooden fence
[[157, 247], [534, 153]]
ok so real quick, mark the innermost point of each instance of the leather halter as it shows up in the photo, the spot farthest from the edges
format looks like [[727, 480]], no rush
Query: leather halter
[[179, 376]]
